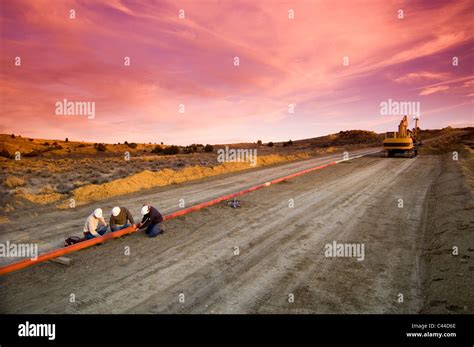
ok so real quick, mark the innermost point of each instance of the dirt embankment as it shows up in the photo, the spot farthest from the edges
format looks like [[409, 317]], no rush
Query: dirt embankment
[[143, 180], [148, 179]]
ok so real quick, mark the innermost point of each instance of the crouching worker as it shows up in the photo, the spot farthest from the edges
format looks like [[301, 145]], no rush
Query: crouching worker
[[95, 225], [120, 218], [151, 221]]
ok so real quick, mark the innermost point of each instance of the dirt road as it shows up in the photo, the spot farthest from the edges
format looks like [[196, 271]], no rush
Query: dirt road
[[49, 227], [269, 255]]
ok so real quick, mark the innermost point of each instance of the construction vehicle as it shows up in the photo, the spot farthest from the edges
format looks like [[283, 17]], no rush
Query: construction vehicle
[[404, 141]]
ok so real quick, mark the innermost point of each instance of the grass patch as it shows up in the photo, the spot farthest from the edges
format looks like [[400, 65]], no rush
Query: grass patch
[[13, 182]]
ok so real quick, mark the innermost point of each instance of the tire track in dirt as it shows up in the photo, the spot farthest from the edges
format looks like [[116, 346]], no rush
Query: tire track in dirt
[[371, 282], [298, 253]]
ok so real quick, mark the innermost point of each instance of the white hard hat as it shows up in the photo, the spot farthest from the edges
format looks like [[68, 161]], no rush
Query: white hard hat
[[115, 211], [145, 209], [98, 213]]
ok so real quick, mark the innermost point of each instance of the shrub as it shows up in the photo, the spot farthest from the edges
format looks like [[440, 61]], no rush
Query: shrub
[[208, 148], [166, 151], [100, 147], [13, 182], [190, 149], [259, 142], [64, 188], [4, 153], [33, 153], [12, 136], [132, 145], [56, 146], [356, 136], [171, 150], [46, 144], [158, 149], [289, 143], [67, 140], [81, 145], [270, 144], [48, 189]]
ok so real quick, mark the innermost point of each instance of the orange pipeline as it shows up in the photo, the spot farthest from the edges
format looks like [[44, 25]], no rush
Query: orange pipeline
[[85, 244]]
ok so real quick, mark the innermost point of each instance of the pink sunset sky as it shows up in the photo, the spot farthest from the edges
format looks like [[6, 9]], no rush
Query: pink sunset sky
[[190, 61]]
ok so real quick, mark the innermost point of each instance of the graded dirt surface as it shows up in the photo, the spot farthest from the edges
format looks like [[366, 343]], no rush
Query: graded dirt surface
[[254, 258]]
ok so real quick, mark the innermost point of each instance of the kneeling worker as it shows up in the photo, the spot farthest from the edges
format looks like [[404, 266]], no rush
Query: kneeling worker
[[95, 225], [151, 221], [120, 218]]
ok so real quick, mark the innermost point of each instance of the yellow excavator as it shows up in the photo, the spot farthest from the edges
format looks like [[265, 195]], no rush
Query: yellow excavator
[[404, 141]]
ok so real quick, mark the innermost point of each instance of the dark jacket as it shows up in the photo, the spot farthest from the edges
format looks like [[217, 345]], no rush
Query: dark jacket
[[122, 218], [151, 218]]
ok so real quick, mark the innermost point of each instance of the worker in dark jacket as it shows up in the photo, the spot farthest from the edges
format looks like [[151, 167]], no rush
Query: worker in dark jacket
[[152, 220], [120, 218]]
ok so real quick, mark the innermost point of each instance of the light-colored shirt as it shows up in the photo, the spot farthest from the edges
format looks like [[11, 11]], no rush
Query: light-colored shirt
[[91, 224]]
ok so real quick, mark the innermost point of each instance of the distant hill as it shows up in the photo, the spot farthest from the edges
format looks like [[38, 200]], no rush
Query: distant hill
[[29, 147]]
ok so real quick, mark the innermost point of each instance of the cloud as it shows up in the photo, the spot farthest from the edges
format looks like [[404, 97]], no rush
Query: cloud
[[422, 76], [469, 84], [432, 90]]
